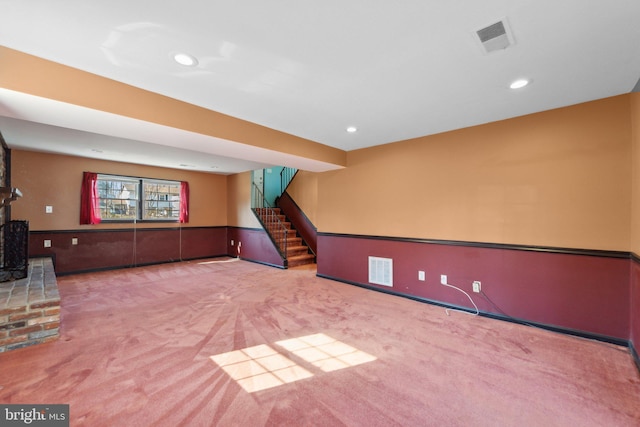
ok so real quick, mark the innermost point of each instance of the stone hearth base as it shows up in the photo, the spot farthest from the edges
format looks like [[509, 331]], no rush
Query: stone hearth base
[[30, 307]]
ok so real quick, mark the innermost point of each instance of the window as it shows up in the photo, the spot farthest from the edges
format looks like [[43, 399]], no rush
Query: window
[[161, 200], [118, 198], [122, 198]]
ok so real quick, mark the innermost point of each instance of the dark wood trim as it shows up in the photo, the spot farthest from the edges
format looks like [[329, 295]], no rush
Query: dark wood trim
[[486, 245], [118, 230], [634, 354], [635, 258], [566, 331]]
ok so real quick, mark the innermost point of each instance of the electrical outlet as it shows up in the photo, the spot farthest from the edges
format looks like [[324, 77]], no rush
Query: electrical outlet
[[74, 240], [232, 242], [48, 209], [443, 279], [47, 243], [477, 286], [421, 276]]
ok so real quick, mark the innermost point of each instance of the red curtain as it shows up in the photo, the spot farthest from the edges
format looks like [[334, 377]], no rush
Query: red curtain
[[89, 200], [184, 202]]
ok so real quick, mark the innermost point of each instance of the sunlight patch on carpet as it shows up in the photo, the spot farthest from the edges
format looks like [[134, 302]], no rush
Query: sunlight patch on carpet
[[217, 261], [259, 368], [262, 367], [326, 353]]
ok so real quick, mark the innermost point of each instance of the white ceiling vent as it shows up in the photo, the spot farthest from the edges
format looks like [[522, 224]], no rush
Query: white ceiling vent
[[495, 37], [381, 271]]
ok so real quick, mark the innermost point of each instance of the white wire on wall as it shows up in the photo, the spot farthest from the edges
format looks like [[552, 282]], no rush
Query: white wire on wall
[[468, 296], [134, 261]]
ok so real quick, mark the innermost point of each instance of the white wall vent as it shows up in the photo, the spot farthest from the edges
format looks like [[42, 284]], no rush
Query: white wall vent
[[381, 271], [495, 37]]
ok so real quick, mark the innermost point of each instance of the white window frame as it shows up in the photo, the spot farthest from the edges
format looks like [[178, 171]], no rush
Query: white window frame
[[139, 206]]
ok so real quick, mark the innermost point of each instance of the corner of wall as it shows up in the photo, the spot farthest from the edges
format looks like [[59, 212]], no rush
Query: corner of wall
[[634, 281], [239, 201]]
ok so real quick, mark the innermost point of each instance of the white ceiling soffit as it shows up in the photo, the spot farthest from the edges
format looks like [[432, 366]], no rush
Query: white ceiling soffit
[[394, 70], [41, 124]]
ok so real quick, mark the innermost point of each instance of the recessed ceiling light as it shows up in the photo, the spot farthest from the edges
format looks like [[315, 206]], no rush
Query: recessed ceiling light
[[185, 59], [519, 84], [352, 129]]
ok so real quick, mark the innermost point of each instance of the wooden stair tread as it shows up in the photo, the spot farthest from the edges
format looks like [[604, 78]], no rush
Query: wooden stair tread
[[297, 260], [297, 252]]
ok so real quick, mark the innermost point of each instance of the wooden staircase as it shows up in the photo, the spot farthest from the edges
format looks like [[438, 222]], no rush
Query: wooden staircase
[[290, 244]]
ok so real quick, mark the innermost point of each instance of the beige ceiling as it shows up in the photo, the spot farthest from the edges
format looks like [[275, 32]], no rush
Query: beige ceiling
[[288, 76]]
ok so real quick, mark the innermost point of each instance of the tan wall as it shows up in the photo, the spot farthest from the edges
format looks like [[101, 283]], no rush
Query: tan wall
[[304, 191], [239, 201], [55, 180], [558, 178], [635, 141]]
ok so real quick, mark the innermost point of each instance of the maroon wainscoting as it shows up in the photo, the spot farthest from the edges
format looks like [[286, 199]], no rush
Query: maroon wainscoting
[[635, 305], [299, 221], [255, 246], [577, 292], [156, 246], [203, 242], [94, 251], [104, 249]]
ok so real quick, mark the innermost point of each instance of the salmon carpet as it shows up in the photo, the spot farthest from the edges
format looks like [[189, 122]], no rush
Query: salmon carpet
[[210, 343]]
